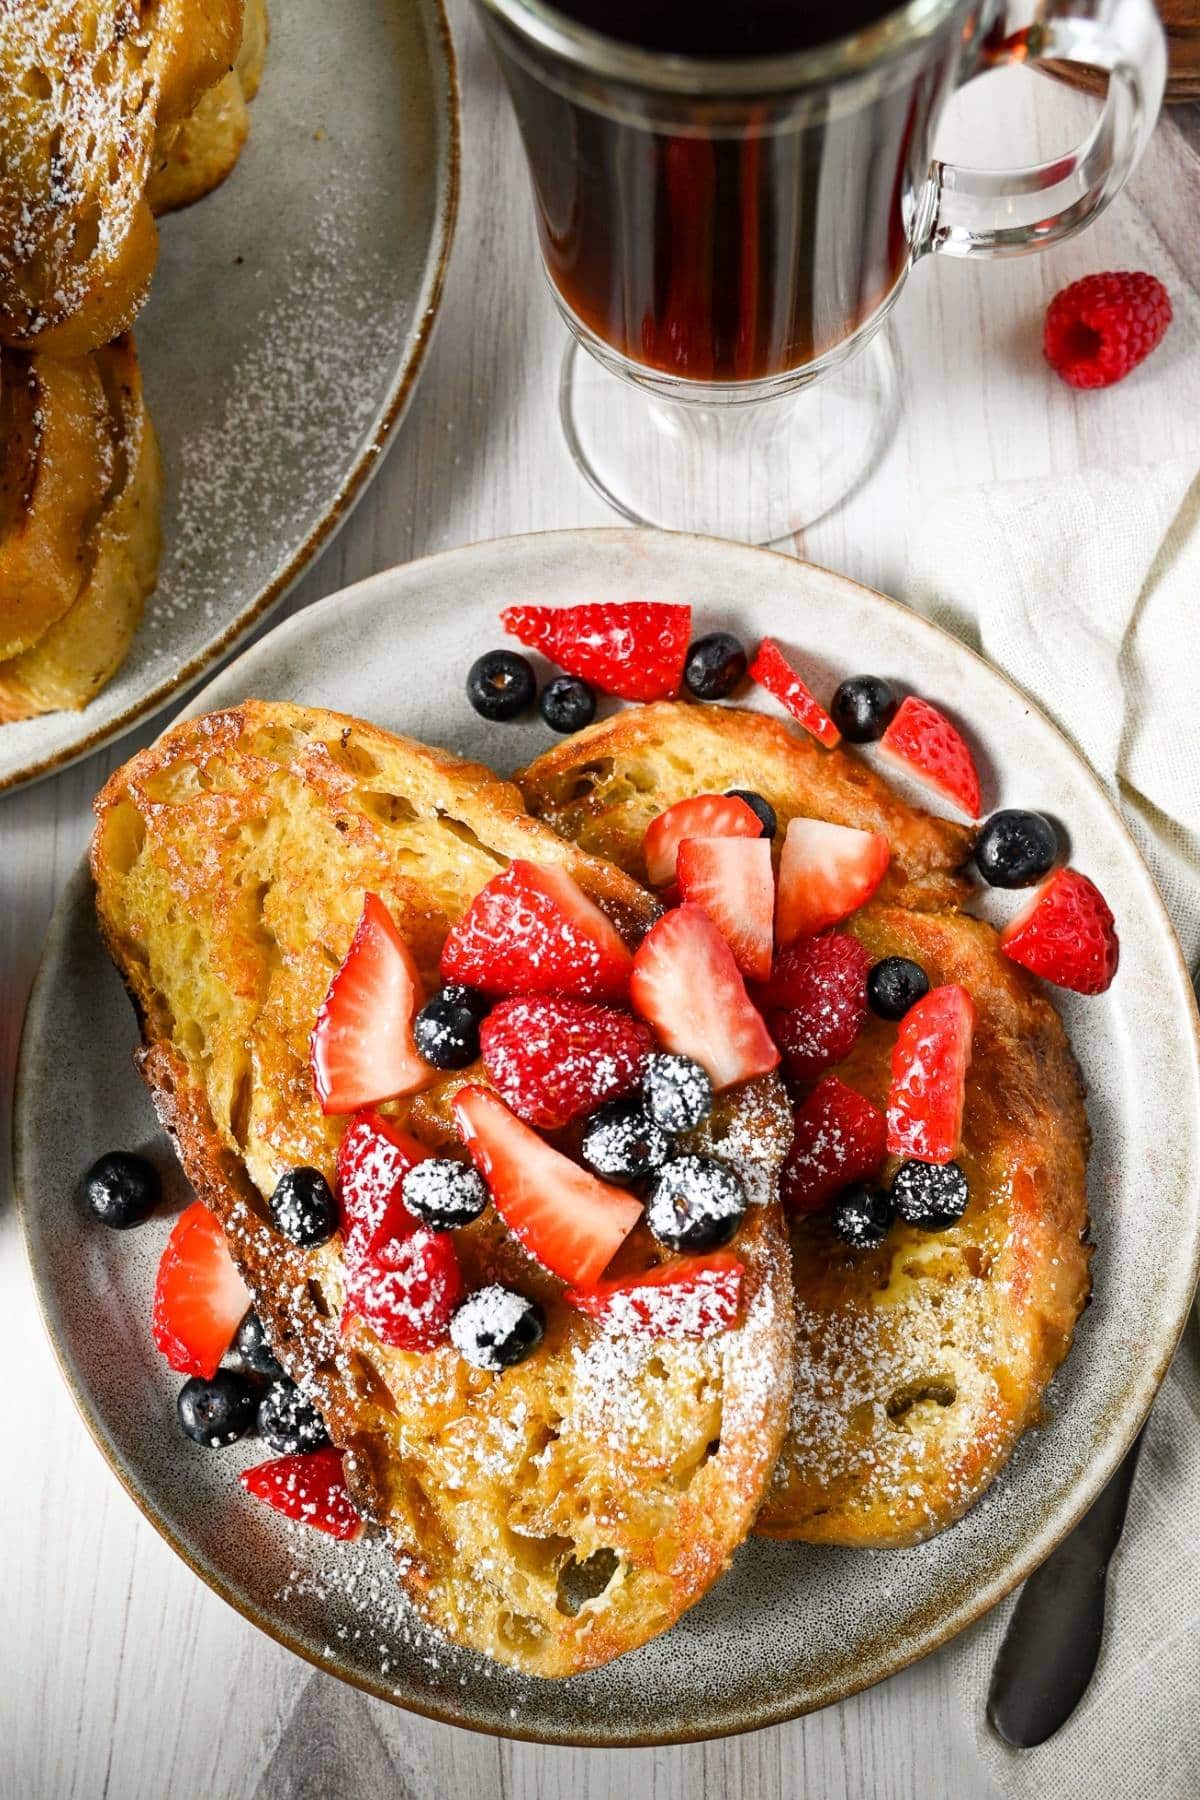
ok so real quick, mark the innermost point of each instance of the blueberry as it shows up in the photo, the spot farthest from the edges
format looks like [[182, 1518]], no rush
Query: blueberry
[[217, 1412], [895, 985], [303, 1208], [288, 1421], [930, 1195], [863, 708], [121, 1190], [620, 1140], [1015, 849], [677, 1092], [715, 664], [446, 1030], [567, 704], [496, 1327], [250, 1342], [762, 809], [862, 1216], [696, 1203], [501, 685], [444, 1193]]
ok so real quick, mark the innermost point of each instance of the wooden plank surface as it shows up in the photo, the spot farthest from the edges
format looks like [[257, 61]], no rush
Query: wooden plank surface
[[121, 1674]]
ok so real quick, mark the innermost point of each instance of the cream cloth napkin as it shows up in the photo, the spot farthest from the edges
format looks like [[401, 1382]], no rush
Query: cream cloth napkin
[[1087, 592]]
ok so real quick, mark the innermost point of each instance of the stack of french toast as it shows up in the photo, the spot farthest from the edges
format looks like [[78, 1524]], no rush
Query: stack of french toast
[[111, 112], [619, 1160]]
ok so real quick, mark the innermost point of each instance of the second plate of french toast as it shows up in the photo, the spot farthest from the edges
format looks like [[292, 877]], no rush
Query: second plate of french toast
[[641, 1053]]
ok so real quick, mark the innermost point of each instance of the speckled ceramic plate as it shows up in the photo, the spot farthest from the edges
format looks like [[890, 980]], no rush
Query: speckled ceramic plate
[[790, 1627], [288, 320]]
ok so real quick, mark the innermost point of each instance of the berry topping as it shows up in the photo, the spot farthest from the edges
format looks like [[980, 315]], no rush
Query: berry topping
[[923, 741], [569, 1221], [762, 809], [407, 1289], [199, 1297], [303, 1208], [687, 984], [703, 816], [554, 1060], [1015, 849], [825, 873], [495, 1328], [677, 1092], [567, 704], [444, 1193], [816, 1002], [501, 685], [840, 1138], [532, 930], [862, 1216], [715, 664], [932, 1196], [732, 880], [863, 707], [217, 1412], [121, 1190], [446, 1030], [374, 1156], [772, 671], [621, 1141], [310, 1488], [696, 1203], [929, 1076], [1066, 934], [288, 1421], [1100, 328], [894, 986], [635, 649], [689, 1297], [255, 1352], [362, 1048]]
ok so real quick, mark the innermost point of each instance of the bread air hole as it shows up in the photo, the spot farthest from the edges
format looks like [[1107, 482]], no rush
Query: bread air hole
[[901, 1403], [579, 1582]]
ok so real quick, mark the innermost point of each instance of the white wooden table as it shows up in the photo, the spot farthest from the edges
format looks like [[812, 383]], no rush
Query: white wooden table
[[120, 1673]]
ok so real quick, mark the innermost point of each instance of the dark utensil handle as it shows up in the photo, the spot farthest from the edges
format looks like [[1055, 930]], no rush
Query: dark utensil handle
[[1053, 1639]]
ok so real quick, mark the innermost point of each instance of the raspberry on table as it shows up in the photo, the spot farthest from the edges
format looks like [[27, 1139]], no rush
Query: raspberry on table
[[1100, 328]]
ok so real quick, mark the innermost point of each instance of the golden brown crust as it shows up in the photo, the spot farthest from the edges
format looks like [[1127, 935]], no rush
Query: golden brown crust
[[206, 147]]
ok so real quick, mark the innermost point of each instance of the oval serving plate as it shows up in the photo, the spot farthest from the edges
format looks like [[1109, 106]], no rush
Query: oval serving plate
[[791, 1627], [288, 320]]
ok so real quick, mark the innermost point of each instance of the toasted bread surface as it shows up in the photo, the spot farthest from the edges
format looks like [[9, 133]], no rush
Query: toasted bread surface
[[207, 145], [570, 1508]]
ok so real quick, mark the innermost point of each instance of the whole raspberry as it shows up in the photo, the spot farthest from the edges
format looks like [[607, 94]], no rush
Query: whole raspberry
[[1100, 328], [815, 1003]]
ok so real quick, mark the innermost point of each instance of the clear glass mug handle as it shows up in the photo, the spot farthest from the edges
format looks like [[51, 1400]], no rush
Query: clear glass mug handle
[[1004, 212]]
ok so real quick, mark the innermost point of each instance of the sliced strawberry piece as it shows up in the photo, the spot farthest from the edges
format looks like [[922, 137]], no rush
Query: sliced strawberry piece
[[532, 930], [840, 1137], [635, 649], [732, 880], [687, 984], [772, 670], [362, 1048], [691, 1297], [553, 1060], [826, 872], [573, 1224], [923, 740], [1066, 934], [373, 1158], [703, 816], [930, 1059], [310, 1488], [407, 1289], [816, 1002], [199, 1297]]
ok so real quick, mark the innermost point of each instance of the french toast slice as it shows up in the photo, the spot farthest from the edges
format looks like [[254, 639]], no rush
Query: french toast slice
[[207, 145], [572, 1507], [76, 655], [918, 1364]]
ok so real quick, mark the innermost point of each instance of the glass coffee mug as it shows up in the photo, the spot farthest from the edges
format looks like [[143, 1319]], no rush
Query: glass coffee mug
[[729, 197]]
